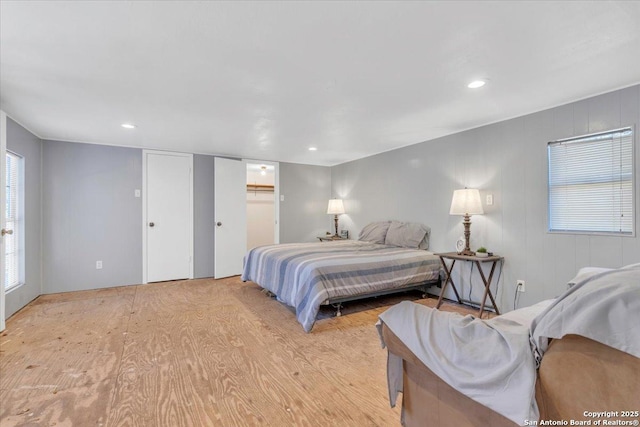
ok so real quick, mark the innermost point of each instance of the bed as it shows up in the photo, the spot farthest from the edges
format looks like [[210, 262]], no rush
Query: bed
[[308, 275]]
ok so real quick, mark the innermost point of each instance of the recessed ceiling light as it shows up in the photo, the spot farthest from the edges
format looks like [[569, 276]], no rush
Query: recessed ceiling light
[[313, 149], [128, 126], [476, 84]]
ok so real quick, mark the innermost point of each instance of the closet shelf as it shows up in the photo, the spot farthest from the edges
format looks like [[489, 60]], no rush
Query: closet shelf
[[262, 188]]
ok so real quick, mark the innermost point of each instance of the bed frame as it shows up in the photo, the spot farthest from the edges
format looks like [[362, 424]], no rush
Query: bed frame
[[337, 302], [423, 286]]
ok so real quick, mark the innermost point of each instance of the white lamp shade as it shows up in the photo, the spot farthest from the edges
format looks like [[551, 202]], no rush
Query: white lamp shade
[[336, 207], [466, 202]]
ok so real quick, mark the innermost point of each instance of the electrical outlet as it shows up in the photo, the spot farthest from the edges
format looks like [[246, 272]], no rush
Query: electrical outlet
[[520, 285], [98, 265]]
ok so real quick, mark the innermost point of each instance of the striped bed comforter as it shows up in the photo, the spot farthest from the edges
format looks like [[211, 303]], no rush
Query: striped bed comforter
[[306, 275]]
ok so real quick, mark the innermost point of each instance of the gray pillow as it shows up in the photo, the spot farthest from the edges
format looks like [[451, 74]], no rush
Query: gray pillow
[[376, 232], [424, 243], [407, 235]]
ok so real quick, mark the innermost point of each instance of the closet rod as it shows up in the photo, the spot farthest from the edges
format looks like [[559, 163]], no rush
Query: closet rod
[[260, 188]]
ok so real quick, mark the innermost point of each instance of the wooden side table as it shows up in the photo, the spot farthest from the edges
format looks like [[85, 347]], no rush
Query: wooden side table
[[454, 256], [329, 238]]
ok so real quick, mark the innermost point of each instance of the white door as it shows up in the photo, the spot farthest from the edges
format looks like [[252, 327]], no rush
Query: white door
[[167, 216], [3, 178], [230, 211]]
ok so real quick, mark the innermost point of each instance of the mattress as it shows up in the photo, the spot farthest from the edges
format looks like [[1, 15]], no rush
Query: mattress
[[307, 275]]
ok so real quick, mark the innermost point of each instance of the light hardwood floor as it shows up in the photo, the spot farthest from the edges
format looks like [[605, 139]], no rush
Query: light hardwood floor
[[190, 353]]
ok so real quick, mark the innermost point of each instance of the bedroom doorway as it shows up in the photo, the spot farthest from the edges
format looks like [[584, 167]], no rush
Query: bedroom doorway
[[231, 210], [262, 212]]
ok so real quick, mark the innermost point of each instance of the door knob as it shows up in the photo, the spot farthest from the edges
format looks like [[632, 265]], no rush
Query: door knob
[[151, 224], [5, 231], [219, 224]]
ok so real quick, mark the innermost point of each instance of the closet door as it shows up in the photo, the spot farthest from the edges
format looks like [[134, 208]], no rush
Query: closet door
[[230, 212], [168, 216]]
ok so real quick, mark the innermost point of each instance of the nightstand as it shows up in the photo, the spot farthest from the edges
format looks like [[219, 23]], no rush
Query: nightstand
[[454, 256], [329, 238]]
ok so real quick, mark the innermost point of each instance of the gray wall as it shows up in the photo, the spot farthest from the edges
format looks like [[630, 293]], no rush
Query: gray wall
[[306, 190], [22, 142], [204, 224], [81, 208], [506, 159], [90, 213]]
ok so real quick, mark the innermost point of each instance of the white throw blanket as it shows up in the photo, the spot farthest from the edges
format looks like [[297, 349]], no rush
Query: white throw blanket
[[604, 307], [489, 361], [494, 361]]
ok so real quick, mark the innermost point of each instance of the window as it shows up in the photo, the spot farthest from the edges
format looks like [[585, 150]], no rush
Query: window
[[14, 219], [591, 183]]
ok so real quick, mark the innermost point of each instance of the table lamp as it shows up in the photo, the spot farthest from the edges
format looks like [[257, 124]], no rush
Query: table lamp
[[466, 202], [336, 207]]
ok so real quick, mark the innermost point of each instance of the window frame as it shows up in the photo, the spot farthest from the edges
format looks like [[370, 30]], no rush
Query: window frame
[[633, 185], [19, 227]]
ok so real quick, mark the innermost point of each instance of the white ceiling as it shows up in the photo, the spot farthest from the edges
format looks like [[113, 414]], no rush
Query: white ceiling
[[267, 80]]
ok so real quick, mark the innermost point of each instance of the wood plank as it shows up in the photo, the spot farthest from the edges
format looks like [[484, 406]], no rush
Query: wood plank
[[61, 353], [197, 352]]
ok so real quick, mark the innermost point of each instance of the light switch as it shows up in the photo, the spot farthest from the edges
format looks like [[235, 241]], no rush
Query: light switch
[[489, 199], [282, 197], [137, 193]]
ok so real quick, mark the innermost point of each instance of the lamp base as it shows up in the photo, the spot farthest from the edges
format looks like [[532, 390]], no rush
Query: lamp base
[[467, 236]]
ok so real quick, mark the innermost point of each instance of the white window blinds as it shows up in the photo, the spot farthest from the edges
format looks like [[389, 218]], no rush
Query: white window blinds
[[591, 183], [13, 222]]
